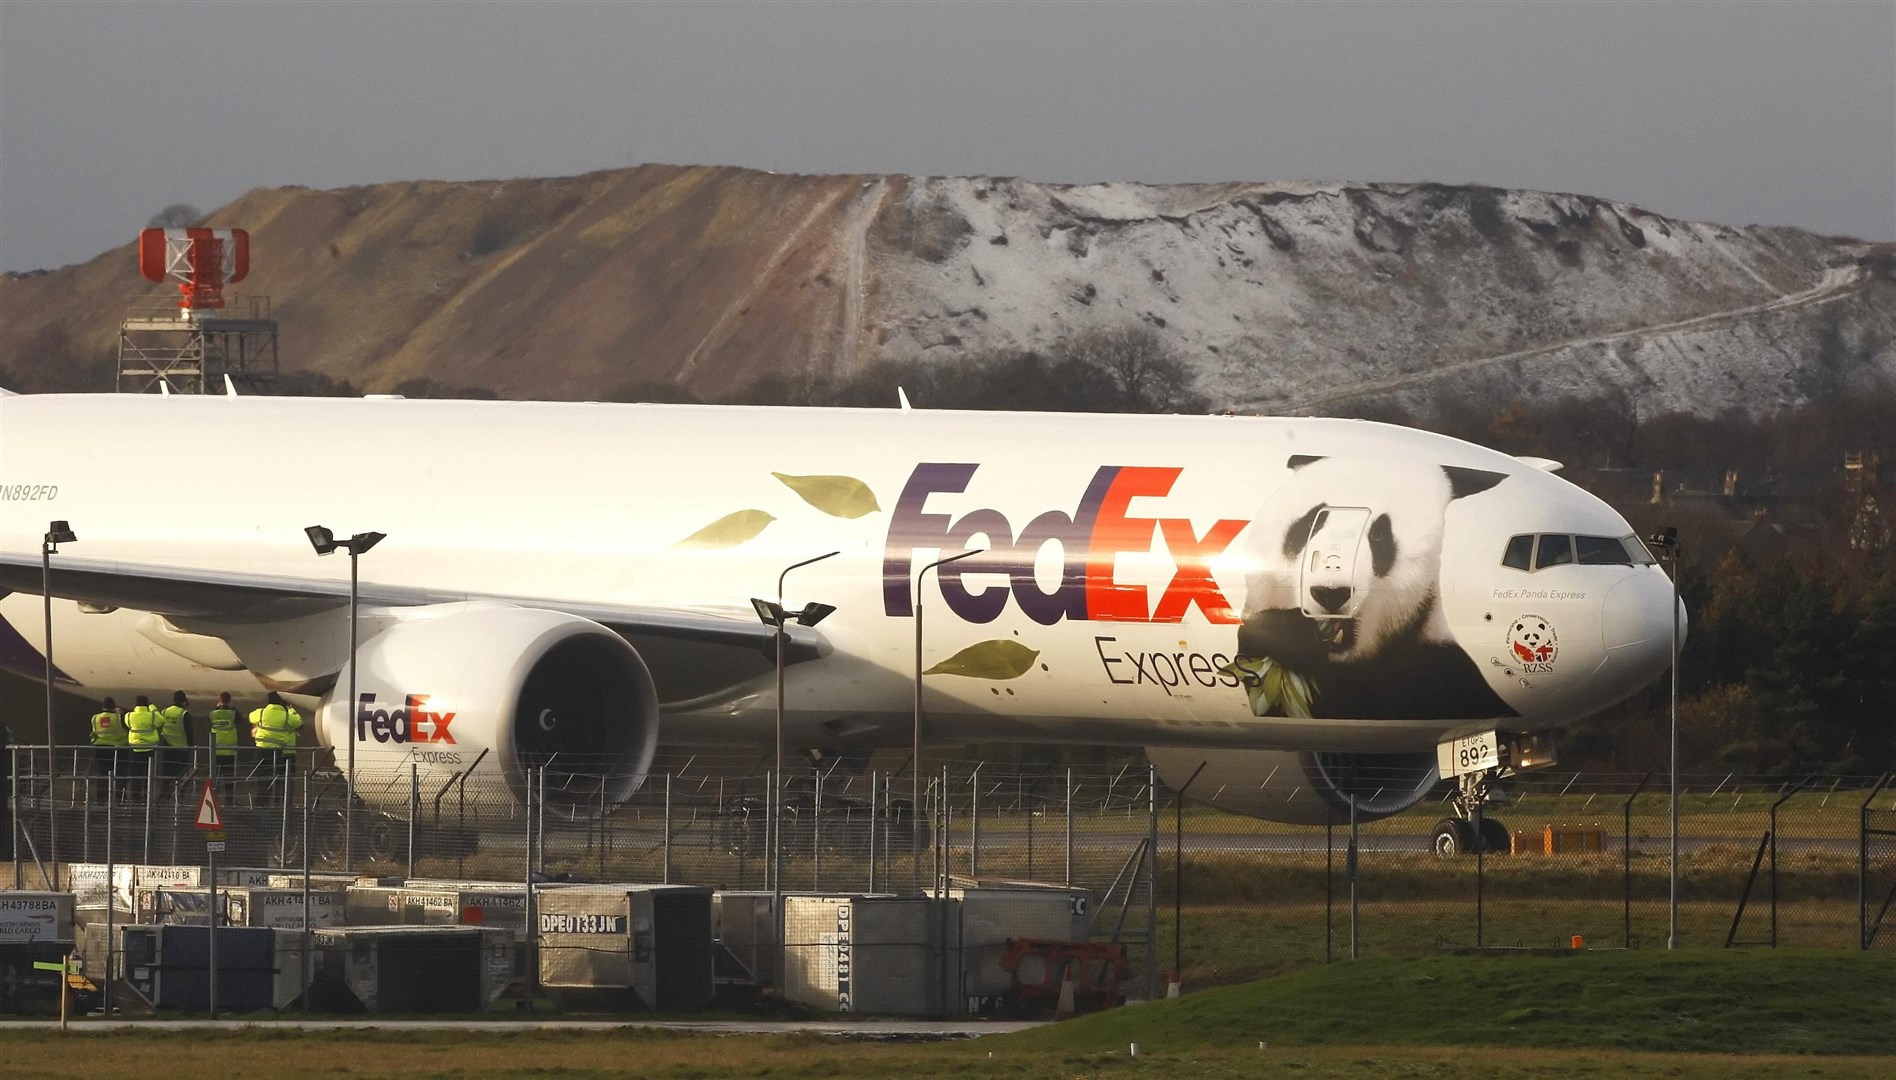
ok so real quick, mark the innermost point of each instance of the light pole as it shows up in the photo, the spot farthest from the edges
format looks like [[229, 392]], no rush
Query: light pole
[[915, 808], [325, 543], [773, 615], [57, 533], [1667, 540]]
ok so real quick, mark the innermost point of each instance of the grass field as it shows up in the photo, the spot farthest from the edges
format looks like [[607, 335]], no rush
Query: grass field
[[1709, 1014]]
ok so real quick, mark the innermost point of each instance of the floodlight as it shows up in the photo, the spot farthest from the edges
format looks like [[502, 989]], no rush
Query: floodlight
[[814, 613], [768, 611], [321, 539]]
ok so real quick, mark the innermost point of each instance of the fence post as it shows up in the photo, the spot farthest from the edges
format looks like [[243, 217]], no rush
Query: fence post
[[414, 810], [1349, 870], [1178, 876], [1152, 882], [974, 822], [460, 827], [1329, 884], [1782, 798], [532, 940], [1481, 874], [1020, 799], [151, 799], [1069, 828], [1863, 864], [307, 941], [15, 827], [665, 875], [872, 830], [283, 827], [539, 823], [1626, 853], [816, 830], [111, 886]]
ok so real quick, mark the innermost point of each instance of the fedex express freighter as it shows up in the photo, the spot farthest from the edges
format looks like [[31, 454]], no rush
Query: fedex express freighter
[[1327, 611]]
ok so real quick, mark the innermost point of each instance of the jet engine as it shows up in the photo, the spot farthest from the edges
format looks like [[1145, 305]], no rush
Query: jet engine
[[529, 687], [1299, 788]]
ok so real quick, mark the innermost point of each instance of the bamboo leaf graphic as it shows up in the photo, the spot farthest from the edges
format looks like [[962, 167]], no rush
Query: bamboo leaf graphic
[[1272, 688], [1000, 659], [728, 531], [837, 496]]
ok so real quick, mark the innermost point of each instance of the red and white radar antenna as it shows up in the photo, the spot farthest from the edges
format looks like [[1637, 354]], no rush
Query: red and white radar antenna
[[200, 261]]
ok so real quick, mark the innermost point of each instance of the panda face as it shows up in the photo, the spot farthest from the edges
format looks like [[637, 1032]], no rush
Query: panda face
[[1347, 558]]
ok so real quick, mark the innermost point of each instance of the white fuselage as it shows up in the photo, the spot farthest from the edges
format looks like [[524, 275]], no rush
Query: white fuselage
[[1122, 554]]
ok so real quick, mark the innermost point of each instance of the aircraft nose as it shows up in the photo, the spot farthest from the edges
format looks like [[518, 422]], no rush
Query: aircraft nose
[[1636, 625]]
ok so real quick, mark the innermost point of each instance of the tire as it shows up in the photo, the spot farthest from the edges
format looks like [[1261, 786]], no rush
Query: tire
[[1452, 837], [382, 840], [1495, 838]]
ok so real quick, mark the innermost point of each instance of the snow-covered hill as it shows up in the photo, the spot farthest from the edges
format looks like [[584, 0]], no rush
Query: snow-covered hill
[[1286, 297]]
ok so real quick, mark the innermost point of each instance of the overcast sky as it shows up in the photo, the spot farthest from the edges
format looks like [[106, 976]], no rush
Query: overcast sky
[[1743, 113]]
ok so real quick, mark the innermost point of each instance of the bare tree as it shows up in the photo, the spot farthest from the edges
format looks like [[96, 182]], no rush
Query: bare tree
[[1142, 374], [176, 216]]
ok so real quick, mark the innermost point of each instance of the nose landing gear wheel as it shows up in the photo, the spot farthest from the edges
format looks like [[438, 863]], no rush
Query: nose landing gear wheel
[[1452, 837], [1495, 837]]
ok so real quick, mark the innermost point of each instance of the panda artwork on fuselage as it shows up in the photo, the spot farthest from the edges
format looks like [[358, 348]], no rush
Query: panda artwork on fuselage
[[1344, 595]]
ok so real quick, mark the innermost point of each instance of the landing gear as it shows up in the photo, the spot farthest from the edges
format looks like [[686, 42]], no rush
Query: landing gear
[[1477, 763], [1460, 834]]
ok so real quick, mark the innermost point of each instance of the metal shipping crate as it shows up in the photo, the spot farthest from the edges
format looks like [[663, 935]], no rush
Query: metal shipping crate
[[282, 909], [424, 969], [874, 954], [35, 916], [744, 925], [992, 917], [627, 945], [171, 905]]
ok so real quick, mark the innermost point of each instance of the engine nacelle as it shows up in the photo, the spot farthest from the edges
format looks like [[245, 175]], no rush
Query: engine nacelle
[[1297, 787], [531, 687]]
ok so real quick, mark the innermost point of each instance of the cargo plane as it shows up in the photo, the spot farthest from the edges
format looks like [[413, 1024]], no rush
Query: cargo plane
[[1328, 613]]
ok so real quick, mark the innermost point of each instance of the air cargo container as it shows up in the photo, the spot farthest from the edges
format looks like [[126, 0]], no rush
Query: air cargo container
[[624, 946], [870, 954], [411, 969], [992, 917], [35, 916], [282, 909]]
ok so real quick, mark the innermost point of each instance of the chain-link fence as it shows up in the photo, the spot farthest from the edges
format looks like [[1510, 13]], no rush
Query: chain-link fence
[[1191, 889]]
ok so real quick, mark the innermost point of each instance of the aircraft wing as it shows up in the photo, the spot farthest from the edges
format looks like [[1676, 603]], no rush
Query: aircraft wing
[[240, 597]]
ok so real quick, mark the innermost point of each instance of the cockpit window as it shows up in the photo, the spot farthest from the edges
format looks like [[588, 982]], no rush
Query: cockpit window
[[1636, 551], [1599, 551], [1520, 555], [1537, 552], [1554, 550]]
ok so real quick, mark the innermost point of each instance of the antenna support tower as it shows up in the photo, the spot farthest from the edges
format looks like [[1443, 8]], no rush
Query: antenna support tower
[[190, 343]]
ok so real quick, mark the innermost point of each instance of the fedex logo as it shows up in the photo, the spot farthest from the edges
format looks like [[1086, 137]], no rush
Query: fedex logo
[[1100, 528], [411, 723]]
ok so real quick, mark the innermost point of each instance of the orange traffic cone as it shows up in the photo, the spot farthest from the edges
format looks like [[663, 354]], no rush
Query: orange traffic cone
[[1064, 1009]]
